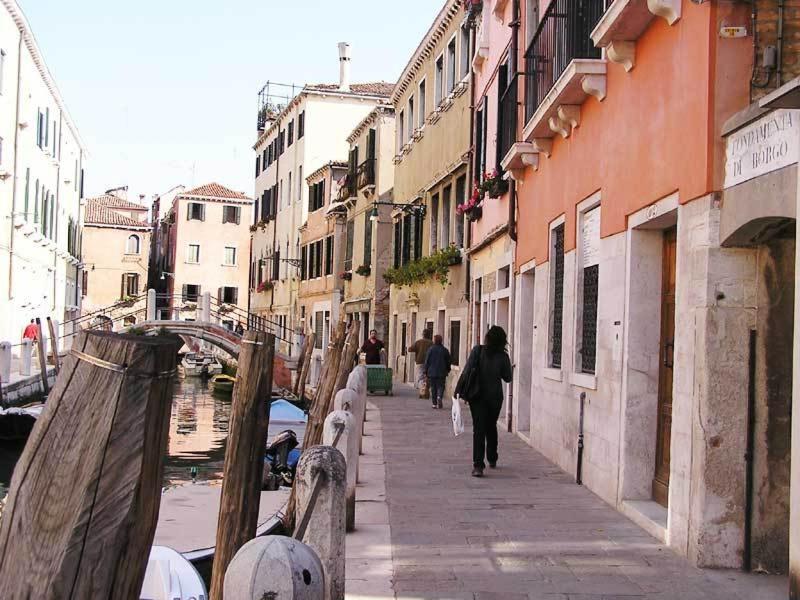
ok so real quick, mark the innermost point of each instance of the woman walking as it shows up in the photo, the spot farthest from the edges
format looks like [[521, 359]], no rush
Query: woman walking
[[481, 386]]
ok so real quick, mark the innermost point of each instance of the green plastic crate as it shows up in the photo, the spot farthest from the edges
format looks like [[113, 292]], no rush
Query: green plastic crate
[[379, 379]]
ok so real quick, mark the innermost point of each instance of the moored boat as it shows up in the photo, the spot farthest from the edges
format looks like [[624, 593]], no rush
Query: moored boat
[[222, 384], [170, 576], [198, 364]]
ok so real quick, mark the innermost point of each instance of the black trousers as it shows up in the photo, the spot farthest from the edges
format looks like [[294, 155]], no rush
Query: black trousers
[[484, 431]]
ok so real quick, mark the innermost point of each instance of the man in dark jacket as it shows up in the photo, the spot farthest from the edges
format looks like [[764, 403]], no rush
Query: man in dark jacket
[[437, 367]]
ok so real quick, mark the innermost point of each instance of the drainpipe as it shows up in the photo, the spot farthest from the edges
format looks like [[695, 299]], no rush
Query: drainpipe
[[779, 66], [14, 183], [468, 228], [512, 201], [747, 560]]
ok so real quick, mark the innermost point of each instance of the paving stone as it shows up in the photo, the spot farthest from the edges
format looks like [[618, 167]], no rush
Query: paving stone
[[523, 532]]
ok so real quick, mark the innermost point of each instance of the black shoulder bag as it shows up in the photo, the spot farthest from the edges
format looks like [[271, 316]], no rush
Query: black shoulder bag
[[472, 388]]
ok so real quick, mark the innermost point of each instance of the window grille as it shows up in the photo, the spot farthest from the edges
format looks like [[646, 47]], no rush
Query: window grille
[[558, 297], [589, 341]]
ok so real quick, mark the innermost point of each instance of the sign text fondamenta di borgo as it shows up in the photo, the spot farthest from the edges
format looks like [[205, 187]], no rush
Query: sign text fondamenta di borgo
[[766, 145]]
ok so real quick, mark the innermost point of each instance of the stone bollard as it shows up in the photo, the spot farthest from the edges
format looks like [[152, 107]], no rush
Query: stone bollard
[[357, 381], [323, 527], [25, 357], [5, 362], [274, 567], [151, 305], [342, 420]]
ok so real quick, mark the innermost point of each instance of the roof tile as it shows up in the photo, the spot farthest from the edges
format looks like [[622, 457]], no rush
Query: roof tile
[[99, 213], [214, 190]]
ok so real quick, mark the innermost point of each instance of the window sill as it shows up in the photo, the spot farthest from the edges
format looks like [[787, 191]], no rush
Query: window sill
[[226, 265], [584, 380], [190, 263], [553, 374]]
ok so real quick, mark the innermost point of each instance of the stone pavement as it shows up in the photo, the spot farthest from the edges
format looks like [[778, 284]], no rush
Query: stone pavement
[[525, 531]]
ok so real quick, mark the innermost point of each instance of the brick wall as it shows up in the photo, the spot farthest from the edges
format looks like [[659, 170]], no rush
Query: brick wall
[[767, 35]]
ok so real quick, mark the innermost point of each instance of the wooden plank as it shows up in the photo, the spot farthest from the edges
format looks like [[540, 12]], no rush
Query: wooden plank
[[301, 382], [244, 456], [42, 359], [347, 360], [54, 345], [84, 499], [300, 361]]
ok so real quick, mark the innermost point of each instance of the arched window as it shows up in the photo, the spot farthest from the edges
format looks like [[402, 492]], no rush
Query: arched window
[[132, 247]]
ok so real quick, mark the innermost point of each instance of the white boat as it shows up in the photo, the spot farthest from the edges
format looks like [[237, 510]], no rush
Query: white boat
[[170, 576], [197, 364]]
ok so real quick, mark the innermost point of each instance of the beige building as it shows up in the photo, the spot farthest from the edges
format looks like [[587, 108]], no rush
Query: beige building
[[116, 243], [321, 241], [298, 136], [209, 250], [432, 151], [368, 198]]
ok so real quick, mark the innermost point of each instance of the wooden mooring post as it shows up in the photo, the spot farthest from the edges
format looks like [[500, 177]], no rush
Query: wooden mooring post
[[84, 499], [42, 358], [54, 345], [300, 385], [244, 457]]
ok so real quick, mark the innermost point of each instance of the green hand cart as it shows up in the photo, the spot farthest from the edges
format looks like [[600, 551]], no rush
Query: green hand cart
[[379, 379]]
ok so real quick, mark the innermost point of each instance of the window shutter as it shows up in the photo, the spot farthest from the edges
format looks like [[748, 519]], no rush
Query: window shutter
[[202, 212], [220, 295], [371, 144], [188, 211], [235, 299], [136, 284], [122, 287], [237, 211], [85, 286]]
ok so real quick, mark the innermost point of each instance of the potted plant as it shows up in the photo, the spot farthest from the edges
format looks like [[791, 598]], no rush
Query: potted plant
[[494, 185], [472, 7], [265, 286], [472, 207], [364, 270], [125, 302], [346, 275]]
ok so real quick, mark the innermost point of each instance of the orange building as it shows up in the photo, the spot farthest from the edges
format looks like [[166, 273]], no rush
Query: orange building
[[646, 275]]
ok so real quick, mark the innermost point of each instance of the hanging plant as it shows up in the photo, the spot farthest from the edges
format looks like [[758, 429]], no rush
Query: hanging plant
[[494, 185], [435, 267], [472, 207]]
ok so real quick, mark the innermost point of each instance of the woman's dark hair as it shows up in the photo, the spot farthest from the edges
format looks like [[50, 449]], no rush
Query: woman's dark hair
[[496, 339]]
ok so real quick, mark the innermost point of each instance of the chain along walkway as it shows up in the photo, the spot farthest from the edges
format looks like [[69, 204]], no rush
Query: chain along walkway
[[426, 529]]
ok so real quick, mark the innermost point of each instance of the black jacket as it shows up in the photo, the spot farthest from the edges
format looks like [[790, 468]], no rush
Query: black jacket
[[437, 361], [493, 368]]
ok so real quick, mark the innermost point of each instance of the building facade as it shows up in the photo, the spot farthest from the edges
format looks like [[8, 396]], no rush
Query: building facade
[[368, 198], [295, 140], [209, 251], [116, 245], [490, 207], [321, 238], [651, 261], [429, 284], [41, 185]]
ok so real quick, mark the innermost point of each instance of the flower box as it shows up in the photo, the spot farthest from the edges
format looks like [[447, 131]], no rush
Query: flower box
[[364, 270]]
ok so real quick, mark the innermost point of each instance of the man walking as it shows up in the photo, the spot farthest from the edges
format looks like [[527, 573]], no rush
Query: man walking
[[420, 350], [31, 333], [437, 367]]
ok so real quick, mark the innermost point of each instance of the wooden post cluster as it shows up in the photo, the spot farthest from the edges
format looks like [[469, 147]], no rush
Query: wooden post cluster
[[244, 457], [337, 366], [42, 357], [84, 499]]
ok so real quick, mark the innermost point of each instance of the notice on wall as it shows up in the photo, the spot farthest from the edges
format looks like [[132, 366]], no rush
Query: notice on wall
[[590, 237], [766, 145]]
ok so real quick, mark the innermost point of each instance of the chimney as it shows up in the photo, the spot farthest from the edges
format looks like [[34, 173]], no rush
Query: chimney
[[344, 67]]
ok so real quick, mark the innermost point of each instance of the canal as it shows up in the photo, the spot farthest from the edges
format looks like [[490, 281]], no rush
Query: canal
[[198, 433]]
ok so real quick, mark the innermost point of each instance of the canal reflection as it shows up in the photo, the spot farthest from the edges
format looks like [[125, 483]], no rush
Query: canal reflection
[[198, 433]]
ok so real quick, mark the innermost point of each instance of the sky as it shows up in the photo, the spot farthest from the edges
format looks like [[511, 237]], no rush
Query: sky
[[165, 92]]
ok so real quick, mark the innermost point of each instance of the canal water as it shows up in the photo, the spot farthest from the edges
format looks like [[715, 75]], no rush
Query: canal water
[[198, 433]]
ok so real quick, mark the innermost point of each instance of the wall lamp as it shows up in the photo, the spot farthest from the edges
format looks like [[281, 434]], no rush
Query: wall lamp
[[413, 209]]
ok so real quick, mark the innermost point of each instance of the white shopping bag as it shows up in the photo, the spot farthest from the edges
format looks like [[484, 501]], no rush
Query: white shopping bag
[[458, 421]]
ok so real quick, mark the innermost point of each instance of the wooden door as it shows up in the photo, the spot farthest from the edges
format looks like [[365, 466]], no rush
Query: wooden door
[[667, 348]]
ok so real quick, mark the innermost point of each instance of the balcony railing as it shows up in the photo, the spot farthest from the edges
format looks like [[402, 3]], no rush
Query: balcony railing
[[348, 188], [563, 35], [366, 173], [509, 109]]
